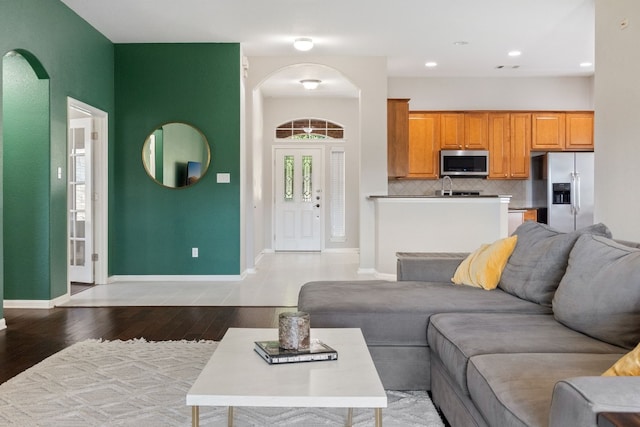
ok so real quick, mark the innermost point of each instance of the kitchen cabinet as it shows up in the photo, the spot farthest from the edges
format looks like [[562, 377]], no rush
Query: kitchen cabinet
[[548, 131], [451, 131], [509, 145], [518, 216], [464, 131], [397, 137], [476, 136], [579, 135], [424, 145]]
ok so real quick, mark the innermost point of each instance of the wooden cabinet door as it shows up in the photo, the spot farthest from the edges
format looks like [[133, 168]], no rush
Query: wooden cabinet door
[[499, 145], [424, 145], [579, 131], [548, 131], [475, 131], [451, 131], [397, 137], [520, 150]]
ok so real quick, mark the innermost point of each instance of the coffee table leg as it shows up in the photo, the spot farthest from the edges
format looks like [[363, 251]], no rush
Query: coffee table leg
[[378, 417], [195, 416], [350, 417], [230, 417]]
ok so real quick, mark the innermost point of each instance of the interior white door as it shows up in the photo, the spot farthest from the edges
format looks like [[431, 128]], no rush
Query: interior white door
[[298, 199], [80, 201]]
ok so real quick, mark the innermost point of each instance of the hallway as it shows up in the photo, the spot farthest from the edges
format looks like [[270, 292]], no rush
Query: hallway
[[276, 283]]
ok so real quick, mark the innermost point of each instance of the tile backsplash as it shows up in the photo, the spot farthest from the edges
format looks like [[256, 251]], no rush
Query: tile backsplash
[[517, 189]]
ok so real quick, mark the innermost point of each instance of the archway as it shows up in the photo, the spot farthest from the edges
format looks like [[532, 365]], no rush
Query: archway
[[26, 177]]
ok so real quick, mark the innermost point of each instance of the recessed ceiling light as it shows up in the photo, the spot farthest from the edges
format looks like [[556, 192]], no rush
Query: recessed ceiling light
[[586, 64], [461, 43], [310, 84], [515, 53], [431, 64], [303, 43]]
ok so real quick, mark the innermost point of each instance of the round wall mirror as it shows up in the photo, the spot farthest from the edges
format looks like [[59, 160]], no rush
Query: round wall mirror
[[176, 155]]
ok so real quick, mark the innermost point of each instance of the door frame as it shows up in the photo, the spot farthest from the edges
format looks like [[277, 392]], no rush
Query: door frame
[[274, 148], [100, 188]]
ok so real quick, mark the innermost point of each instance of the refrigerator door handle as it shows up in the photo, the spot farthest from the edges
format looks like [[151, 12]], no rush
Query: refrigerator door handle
[[577, 194], [573, 193]]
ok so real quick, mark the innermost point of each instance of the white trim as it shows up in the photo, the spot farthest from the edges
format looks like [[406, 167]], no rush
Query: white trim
[[367, 271], [177, 278], [341, 250], [39, 304], [3, 324], [385, 276]]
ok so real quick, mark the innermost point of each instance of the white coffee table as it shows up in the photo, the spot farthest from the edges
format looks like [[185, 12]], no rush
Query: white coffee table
[[237, 376]]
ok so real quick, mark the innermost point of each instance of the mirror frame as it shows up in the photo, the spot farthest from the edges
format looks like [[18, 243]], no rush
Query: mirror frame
[[206, 162]]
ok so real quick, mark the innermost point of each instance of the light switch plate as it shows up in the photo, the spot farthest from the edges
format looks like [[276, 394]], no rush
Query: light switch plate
[[223, 178]]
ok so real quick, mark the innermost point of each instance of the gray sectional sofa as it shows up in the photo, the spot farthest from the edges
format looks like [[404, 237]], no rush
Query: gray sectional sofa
[[529, 353]]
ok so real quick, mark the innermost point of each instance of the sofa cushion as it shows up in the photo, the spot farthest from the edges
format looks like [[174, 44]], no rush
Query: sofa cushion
[[516, 389], [456, 337], [540, 259], [484, 266], [600, 293], [397, 313]]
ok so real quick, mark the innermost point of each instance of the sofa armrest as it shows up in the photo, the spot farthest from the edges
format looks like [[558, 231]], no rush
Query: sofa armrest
[[428, 266], [578, 401]]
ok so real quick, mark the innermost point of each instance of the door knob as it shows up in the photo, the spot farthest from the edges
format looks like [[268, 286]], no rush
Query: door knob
[[318, 205]]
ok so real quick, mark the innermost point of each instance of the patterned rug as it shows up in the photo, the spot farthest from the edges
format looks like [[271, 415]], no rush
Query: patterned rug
[[139, 383]]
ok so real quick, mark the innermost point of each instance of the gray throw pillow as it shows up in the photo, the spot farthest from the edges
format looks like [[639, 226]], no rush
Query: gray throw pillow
[[600, 293], [539, 260]]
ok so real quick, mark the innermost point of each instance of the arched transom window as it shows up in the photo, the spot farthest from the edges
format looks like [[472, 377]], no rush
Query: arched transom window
[[309, 129]]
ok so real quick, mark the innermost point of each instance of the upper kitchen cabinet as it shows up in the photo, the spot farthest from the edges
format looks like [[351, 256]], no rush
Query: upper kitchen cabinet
[[476, 136], [548, 131], [452, 131], [397, 137], [579, 135], [464, 131], [509, 145], [424, 145]]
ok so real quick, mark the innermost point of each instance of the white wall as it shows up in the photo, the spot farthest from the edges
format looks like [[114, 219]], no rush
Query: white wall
[[554, 93], [343, 111], [617, 124], [369, 75]]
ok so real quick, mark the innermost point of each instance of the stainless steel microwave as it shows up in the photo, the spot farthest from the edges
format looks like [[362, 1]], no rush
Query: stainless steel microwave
[[464, 163]]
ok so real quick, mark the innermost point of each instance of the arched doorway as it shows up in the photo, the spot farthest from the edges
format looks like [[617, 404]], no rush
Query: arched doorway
[[26, 177]]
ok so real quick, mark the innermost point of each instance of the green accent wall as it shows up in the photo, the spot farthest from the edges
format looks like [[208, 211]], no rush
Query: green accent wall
[[25, 112], [79, 62], [156, 227]]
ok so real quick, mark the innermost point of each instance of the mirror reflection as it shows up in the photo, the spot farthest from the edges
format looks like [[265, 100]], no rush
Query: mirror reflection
[[176, 155]]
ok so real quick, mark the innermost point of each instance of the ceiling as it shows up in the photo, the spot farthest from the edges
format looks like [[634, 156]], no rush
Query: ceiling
[[554, 36]]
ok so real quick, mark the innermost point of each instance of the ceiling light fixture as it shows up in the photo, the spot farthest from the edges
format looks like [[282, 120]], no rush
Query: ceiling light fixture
[[303, 44], [515, 53], [586, 64], [310, 84], [460, 43], [431, 64]]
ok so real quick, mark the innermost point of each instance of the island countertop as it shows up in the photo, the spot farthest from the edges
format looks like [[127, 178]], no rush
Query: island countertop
[[420, 196]]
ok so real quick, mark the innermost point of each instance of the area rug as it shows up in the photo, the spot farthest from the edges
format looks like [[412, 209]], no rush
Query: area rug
[[140, 383]]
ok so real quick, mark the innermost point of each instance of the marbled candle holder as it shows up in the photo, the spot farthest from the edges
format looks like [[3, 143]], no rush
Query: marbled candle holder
[[293, 330]]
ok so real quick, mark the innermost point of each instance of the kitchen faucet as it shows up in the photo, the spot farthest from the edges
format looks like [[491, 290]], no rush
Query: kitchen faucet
[[448, 192]]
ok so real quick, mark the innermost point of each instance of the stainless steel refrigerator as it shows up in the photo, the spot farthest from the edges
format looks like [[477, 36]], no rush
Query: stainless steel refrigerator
[[570, 197]]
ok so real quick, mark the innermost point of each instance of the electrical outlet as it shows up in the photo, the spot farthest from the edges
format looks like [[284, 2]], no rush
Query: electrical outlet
[[194, 252]]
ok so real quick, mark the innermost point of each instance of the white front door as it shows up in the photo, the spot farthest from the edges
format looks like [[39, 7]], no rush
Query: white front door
[[80, 201], [298, 199]]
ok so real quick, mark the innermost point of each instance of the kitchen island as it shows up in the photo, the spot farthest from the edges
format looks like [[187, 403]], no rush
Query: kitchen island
[[435, 224]]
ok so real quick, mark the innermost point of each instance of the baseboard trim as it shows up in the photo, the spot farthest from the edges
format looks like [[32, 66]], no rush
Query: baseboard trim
[[385, 276], [3, 324], [341, 250], [177, 278], [39, 304]]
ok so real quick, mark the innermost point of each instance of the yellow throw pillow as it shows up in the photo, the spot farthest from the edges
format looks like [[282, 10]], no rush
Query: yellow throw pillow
[[483, 267], [627, 366]]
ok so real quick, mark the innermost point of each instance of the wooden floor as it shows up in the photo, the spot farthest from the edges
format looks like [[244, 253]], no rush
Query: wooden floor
[[33, 335]]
